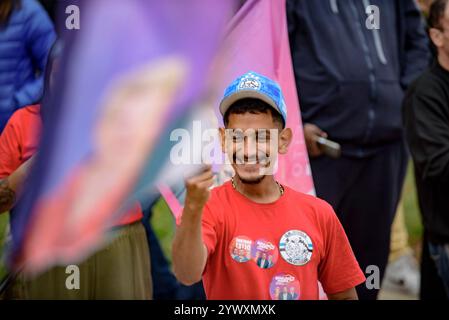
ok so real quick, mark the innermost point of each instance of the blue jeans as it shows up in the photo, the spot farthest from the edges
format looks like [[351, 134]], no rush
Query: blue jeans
[[440, 256]]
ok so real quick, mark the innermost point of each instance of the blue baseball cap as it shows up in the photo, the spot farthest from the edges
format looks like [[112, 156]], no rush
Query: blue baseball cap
[[257, 86]]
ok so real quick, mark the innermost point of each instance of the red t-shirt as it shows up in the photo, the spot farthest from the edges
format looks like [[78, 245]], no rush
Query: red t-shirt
[[20, 140], [278, 250]]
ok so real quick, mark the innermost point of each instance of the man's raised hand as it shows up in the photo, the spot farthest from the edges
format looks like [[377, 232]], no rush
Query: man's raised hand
[[198, 189]]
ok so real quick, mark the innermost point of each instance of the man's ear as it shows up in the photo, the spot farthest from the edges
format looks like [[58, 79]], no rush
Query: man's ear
[[437, 37], [223, 139], [285, 138]]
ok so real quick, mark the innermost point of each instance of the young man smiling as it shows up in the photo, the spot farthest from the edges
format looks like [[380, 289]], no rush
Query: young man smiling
[[254, 212]]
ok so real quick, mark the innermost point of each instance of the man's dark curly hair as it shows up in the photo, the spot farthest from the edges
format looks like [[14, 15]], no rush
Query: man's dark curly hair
[[255, 106]]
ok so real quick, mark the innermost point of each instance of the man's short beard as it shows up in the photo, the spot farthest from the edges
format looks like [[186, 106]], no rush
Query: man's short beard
[[253, 181]]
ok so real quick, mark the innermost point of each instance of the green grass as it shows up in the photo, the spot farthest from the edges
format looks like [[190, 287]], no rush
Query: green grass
[[411, 209], [163, 224], [4, 221]]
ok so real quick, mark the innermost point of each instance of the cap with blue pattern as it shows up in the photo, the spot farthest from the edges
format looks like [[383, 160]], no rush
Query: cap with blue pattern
[[257, 86]]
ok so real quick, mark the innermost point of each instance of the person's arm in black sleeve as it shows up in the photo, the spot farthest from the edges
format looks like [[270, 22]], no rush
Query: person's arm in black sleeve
[[426, 121], [416, 44], [291, 21]]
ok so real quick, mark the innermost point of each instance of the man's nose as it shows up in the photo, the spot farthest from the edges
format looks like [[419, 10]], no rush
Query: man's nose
[[250, 149]]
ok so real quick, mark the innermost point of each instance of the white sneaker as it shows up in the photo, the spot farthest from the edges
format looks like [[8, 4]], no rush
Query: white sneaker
[[402, 275]]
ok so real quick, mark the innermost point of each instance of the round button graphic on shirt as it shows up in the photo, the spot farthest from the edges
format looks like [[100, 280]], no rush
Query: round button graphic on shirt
[[264, 253], [240, 249], [284, 286], [296, 247]]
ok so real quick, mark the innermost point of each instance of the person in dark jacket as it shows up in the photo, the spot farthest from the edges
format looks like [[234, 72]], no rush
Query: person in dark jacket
[[426, 119], [26, 36], [353, 59], [51, 7]]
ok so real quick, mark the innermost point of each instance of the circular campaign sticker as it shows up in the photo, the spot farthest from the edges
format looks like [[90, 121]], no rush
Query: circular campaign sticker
[[240, 248], [296, 247], [284, 286], [264, 253]]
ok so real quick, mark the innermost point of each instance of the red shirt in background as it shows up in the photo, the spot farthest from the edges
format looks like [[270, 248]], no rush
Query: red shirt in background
[[20, 140], [274, 251]]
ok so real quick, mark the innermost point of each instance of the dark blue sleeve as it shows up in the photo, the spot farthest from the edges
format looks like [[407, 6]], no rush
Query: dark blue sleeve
[[415, 52], [39, 36]]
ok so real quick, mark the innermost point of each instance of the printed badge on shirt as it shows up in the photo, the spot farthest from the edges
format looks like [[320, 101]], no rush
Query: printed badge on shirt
[[264, 253], [240, 249], [296, 247], [284, 286]]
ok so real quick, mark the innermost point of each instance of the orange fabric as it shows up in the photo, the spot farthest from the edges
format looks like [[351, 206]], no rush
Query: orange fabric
[[241, 235], [20, 140]]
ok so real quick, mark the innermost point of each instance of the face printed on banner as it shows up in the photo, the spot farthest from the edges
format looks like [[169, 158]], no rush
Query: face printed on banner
[[277, 292], [264, 253], [284, 287], [240, 249]]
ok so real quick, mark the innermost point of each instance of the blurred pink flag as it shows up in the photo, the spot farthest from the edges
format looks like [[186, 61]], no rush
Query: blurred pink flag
[[257, 40]]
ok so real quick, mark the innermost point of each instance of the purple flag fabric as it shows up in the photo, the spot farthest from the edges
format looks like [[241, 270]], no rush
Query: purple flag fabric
[[133, 70]]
